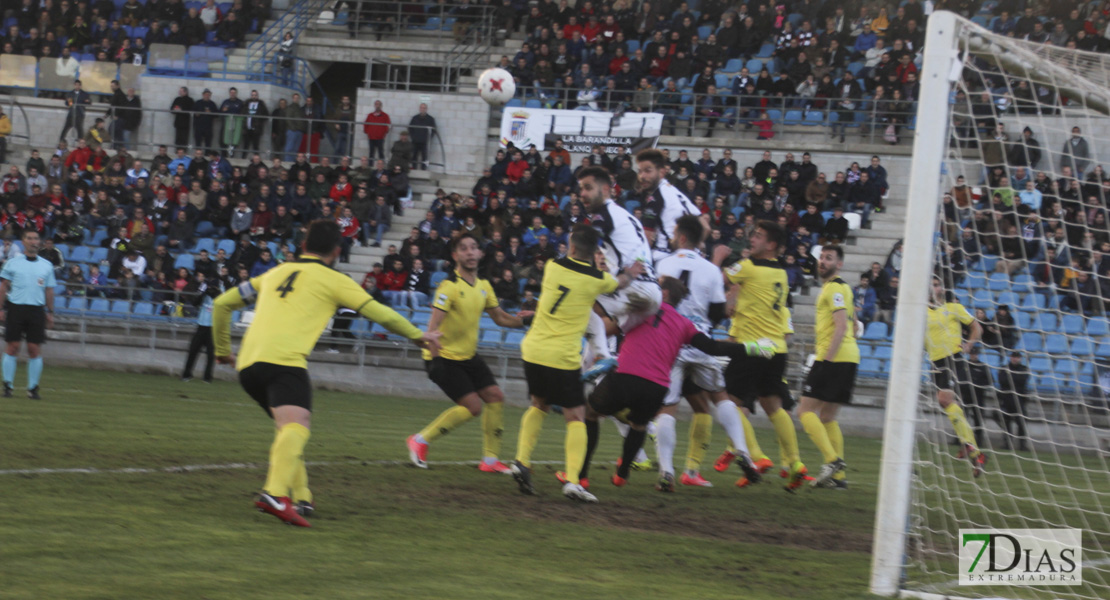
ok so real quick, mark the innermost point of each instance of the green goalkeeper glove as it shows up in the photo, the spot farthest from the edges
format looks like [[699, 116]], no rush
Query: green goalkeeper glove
[[762, 347]]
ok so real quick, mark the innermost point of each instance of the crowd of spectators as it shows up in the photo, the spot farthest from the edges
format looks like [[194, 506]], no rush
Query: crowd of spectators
[[720, 64], [524, 205], [67, 29]]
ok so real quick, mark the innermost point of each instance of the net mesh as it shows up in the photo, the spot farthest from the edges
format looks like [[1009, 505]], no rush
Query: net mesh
[[1023, 243]]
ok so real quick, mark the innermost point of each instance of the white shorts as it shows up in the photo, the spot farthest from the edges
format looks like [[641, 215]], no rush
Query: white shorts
[[702, 369], [616, 304]]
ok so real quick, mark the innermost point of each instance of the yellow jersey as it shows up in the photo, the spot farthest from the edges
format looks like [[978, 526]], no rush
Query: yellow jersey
[[295, 301], [570, 288], [761, 310], [464, 304], [945, 334], [836, 295]]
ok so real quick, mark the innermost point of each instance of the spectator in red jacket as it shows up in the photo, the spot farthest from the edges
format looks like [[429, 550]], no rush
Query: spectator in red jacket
[[341, 191], [349, 229], [377, 275], [79, 158], [260, 222], [376, 128], [516, 168], [394, 280]]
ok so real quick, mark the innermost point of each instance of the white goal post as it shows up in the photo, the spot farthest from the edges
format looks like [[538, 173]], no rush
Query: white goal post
[[1030, 247]]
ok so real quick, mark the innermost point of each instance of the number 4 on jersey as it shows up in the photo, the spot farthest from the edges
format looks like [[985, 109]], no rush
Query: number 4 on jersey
[[287, 285]]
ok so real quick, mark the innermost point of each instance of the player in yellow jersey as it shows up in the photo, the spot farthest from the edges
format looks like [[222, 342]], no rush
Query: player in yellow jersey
[[833, 374], [946, 346], [761, 312], [457, 308], [552, 353], [293, 304]]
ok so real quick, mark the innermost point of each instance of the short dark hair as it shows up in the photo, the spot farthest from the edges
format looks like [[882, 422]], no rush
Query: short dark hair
[[652, 156], [455, 242], [691, 227], [599, 174], [584, 239], [323, 237], [775, 233], [676, 290], [837, 249]]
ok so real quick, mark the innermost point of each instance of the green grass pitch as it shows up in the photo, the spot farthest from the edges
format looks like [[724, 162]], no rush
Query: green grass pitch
[[383, 529]]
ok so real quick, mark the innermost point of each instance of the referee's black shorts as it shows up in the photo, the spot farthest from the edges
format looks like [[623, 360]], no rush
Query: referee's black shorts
[[755, 375], [25, 321], [277, 385], [457, 378], [831, 381], [560, 387], [618, 391]]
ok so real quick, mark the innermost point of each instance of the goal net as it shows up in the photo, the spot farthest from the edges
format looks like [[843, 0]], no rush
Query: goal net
[[1010, 144]]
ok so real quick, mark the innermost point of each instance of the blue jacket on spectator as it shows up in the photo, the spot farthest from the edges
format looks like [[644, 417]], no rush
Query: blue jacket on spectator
[[532, 235], [261, 267], [179, 161], [560, 175], [877, 175], [865, 41], [300, 207]]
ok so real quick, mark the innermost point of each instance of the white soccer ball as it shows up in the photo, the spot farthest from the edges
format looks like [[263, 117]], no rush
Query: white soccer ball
[[496, 86]]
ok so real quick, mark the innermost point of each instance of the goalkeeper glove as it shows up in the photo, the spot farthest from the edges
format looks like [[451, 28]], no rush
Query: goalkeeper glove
[[762, 347]]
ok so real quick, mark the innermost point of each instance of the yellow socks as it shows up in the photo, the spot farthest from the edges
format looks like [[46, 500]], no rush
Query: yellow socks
[[959, 423], [788, 439], [817, 432], [286, 457], [445, 422], [301, 493], [836, 438], [530, 426], [701, 432], [749, 433], [575, 447], [493, 425]]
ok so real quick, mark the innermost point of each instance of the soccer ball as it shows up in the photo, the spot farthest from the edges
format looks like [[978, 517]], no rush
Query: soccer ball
[[496, 86]]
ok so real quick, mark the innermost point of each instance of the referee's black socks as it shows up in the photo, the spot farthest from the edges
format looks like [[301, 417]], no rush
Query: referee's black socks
[[632, 444]]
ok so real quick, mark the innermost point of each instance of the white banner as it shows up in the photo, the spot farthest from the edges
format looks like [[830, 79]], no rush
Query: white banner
[[582, 129]]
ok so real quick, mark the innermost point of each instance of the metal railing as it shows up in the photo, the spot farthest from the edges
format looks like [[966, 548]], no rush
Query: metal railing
[[228, 134], [294, 20], [471, 23], [742, 114], [14, 106]]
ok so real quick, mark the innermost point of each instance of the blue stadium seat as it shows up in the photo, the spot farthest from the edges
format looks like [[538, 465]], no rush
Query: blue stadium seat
[[631, 205], [975, 281], [184, 260], [206, 244], [870, 367], [765, 51], [1056, 344], [514, 103], [981, 298], [1098, 327], [227, 246], [513, 339], [1066, 366], [854, 68], [491, 338], [420, 318], [1103, 350], [436, 278], [794, 117], [121, 307], [733, 65], [74, 305], [1034, 302], [80, 254], [145, 310], [1082, 347], [815, 117], [1022, 284], [533, 103], [205, 229], [883, 352], [633, 46], [1045, 321], [99, 305], [99, 255], [1040, 364], [1073, 325], [998, 282], [876, 331], [721, 81], [1009, 299], [1031, 342], [754, 66], [704, 31], [866, 351]]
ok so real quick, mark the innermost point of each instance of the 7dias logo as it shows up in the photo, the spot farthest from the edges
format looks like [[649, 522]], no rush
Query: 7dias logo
[[1021, 557]]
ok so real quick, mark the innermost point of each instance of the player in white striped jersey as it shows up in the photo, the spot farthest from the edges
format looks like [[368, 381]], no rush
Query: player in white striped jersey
[[704, 306], [623, 242], [662, 199]]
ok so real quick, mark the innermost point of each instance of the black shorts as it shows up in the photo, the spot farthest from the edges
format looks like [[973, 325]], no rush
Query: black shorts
[[755, 375], [750, 401], [457, 378], [619, 391], [277, 385], [950, 373], [560, 387], [25, 321], [831, 381]]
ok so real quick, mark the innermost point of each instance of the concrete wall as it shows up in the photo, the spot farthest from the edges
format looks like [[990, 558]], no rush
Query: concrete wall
[[462, 120]]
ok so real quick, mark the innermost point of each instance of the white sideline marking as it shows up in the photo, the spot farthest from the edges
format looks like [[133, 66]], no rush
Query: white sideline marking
[[234, 466]]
